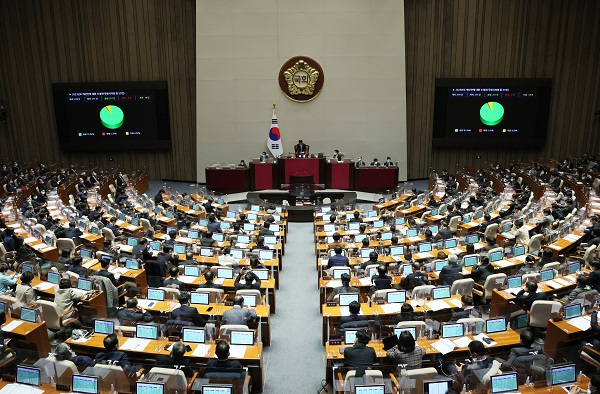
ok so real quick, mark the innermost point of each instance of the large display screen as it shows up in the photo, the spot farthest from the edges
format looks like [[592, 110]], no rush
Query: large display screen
[[491, 112], [112, 115]]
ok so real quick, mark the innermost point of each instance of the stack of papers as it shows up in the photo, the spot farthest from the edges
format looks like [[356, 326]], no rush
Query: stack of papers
[[12, 325], [186, 279], [135, 344], [444, 345], [572, 238], [43, 286], [437, 305], [581, 322], [502, 263], [185, 240], [414, 239], [219, 281], [201, 350], [366, 281], [554, 284], [391, 308], [237, 351], [16, 388], [456, 302], [562, 282], [424, 255]]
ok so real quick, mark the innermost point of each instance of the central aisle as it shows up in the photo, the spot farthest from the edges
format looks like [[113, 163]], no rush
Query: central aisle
[[295, 361]]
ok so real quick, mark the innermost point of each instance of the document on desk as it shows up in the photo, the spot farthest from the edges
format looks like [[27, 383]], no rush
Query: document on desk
[[185, 240], [480, 338], [456, 302], [120, 270], [201, 350], [219, 281], [437, 305], [562, 282], [237, 351], [345, 311], [366, 281], [187, 279], [503, 263], [12, 325], [16, 388], [391, 308], [30, 240], [424, 255], [334, 283], [415, 239], [444, 345], [553, 284], [572, 238], [135, 344], [43, 286], [581, 322], [462, 342]]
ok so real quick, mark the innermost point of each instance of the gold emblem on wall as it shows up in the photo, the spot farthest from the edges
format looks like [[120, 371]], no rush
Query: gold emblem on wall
[[301, 78]]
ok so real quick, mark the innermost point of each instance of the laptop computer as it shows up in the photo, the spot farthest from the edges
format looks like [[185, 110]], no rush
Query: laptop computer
[[439, 264], [400, 221], [546, 275], [495, 325], [179, 249], [193, 234], [28, 375], [496, 256], [84, 284], [85, 254], [146, 331], [412, 232], [471, 239], [454, 330], [249, 300], [264, 254], [28, 315], [193, 335], [156, 294], [438, 386], [237, 253], [572, 311], [396, 251], [132, 264], [450, 243], [358, 238], [53, 277], [562, 374], [349, 336], [239, 337], [84, 384], [400, 330], [346, 298], [515, 281], [200, 298], [132, 241], [441, 292], [225, 273], [191, 270], [337, 272], [425, 247], [504, 383], [395, 297], [262, 273], [105, 327], [207, 252], [470, 260], [574, 267], [149, 387]]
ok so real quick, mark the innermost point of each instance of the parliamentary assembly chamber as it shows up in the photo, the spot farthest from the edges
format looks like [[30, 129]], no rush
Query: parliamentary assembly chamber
[[270, 196]]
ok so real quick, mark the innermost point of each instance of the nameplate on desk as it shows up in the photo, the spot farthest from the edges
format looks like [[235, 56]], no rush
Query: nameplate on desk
[[127, 334], [331, 303], [141, 297], [335, 342], [62, 387], [173, 339]]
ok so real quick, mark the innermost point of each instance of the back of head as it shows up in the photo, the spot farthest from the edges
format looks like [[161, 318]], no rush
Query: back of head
[[104, 263], [490, 240], [452, 259], [365, 242], [381, 270], [527, 338], [373, 256], [354, 307], [336, 237], [416, 267], [3, 267], [184, 297], [64, 283], [467, 300], [209, 276], [66, 253], [356, 214], [62, 352], [531, 286], [172, 234], [345, 279], [406, 342], [132, 303], [260, 240], [178, 350], [267, 225], [530, 259], [208, 234], [173, 271], [77, 260], [27, 277], [485, 260], [470, 248], [338, 249], [111, 342], [362, 336], [477, 347], [238, 300], [249, 277]]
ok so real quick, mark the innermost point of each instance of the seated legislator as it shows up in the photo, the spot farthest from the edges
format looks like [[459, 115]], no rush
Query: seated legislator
[[133, 313], [344, 288], [338, 259], [222, 363], [301, 149], [528, 267], [527, 353], [381, 281], [175, 360], [360, 355], [407, 352], [172, 281], [354, 309], [186, 312], [225, 259], [529, 295], [252, 281], [103, 271], [336, 241], [63, 352], [484, 269], [76, 267], [466, 310], [417, 278], [238, 314], [388, 162], [141, 250], [480, 362], [263, 157], [25, 293], [209, 276], [112, 356], [266, 230], [450, 272]]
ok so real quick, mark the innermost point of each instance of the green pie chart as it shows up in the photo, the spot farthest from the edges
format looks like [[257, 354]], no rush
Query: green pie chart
[[112, 117], [491, 113]]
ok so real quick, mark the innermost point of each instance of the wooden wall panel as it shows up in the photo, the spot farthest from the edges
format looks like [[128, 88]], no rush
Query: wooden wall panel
[[46, 41], [504, 39]]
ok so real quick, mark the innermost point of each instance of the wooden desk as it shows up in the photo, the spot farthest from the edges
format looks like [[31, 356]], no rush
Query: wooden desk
[[32, 333], [49, 253], [253, 358], [560, 333]]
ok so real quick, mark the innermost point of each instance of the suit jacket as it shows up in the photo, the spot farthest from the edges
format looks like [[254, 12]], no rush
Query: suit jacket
[[169, 282], [337, 260], [342, 289], [116, 358], [352, 318], [223, 365], [141, 251], [209, 285], [25, 294], [108, 275], [413, 280], [522, 351], [165, 361], [381, 282], [214, 227], [266, 231], [530, 298], [186, 312], [359, 355], [129, 315], [449, 274], [480, 273]]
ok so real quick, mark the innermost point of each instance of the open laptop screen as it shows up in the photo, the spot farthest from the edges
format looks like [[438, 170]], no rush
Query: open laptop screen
[[217, 389], [105, 327], [193, 335], [572, 311], [28, 375], [149, 388], [85, 384], [563, 374], [369, 389], [504, 383], [396, 297], [471, 260], [412, 330], [241, 337], [495, 325], [347, 298], [438, 386], [441, 292], [452, 330], [146, 331], [28, 314], [156, 294], [199, 298], [514, 281]]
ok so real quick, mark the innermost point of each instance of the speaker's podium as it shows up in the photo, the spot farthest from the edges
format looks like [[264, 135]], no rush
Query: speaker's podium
[[263, 175], [299, 170]]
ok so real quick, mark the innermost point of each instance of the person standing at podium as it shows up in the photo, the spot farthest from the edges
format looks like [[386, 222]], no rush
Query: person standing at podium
[[263, 157], [301, 149]]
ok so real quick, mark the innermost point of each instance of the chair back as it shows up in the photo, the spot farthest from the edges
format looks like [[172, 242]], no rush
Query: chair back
[[541, 312], [50, 314], [381, 295], [493, 282], [587, 353], [462, 286], [175, 378], [216, 294], [553, 265], [171, 292], [65, 243], [453, 224], [145, 223], [424, 373], [7, 357], [226, 328], [535, 276], [422, 292], [421, 326], [491, 231], [499, 249], [155, 273], [494, 370], [588, 256], [371, 376], [108, 234], [251, 292], [535, 243]]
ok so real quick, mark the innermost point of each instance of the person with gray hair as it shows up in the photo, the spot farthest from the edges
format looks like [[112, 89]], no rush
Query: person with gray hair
[[63, 352], [238, 314], [450, 272], [175, 359]]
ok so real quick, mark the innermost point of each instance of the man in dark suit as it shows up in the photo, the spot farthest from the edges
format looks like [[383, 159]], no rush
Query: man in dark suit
[[209, 276], [381, 280], [175, 360], [173, 282], [375, 163], [186, 312], [360, 355], [360, 162], [354, 308], [344, 288], [266, 230], [213, 225], [72, 232], [527, 352], [338, 259], [466, 310], [263, 157], [140, 251], [252, 281], [388, 162], [301, 149], [356, 217], [166, 257], [121, 180], [445, 232], [222, 363], [450, 272], [531, 295], [113, 356], [417, 278], [103, 271], [134, 313], [480, 272]]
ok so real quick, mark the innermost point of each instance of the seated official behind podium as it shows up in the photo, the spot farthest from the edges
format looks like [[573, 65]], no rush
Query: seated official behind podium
[[375, 163], [301, 149], [389, 162], [263, 157]]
